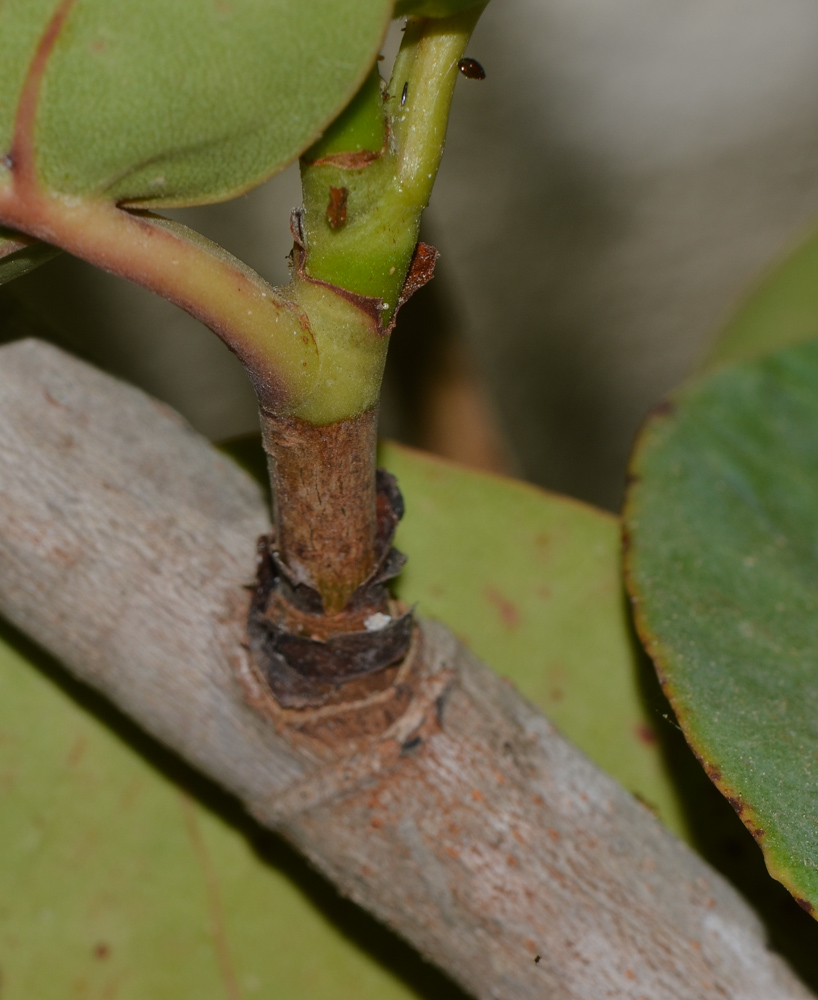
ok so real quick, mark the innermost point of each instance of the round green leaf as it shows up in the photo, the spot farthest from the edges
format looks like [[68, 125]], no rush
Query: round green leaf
[[723, 567], [176, 102]]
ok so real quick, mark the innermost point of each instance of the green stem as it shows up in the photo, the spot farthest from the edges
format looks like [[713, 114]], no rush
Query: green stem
[[366, 246]]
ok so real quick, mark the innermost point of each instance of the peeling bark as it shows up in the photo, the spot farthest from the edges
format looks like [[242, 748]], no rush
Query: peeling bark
[[444, 803]]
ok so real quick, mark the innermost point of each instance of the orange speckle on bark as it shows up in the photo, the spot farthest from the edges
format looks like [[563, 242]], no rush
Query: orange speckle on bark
[[477, 795]]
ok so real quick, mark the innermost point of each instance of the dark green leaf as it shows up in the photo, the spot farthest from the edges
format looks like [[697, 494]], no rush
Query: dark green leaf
[[171, 102], [19, 254], [723, 567]]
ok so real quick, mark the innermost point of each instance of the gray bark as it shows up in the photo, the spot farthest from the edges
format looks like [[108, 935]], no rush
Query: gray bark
[[454, 812]]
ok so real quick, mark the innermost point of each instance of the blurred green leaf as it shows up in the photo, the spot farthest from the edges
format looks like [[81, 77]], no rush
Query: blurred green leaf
[[19, 254], [723, 568], [780, 311], [176, 102], [127, 883]]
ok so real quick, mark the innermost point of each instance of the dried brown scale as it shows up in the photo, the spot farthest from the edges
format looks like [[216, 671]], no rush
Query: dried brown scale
[[349, 161], [337, 207], [309, 656]]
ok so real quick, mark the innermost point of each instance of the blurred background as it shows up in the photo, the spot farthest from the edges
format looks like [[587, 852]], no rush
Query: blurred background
[[624, 174]]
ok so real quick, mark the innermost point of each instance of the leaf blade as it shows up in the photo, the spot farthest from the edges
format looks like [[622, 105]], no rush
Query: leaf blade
[[20, 254], [189, 101], [723, 579]]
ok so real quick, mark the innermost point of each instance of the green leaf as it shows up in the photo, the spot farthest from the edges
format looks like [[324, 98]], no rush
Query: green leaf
[[781, 311], [176, 102], [723, 568], [130, 885], [20, 254], [433, 8]]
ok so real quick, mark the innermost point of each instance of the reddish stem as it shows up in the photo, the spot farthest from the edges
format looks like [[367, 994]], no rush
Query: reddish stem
[[22, 146]]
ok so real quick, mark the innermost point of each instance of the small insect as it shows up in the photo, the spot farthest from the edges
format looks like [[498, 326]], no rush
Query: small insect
[[337, 207], [537, 960], [472, 69], [405, 94]]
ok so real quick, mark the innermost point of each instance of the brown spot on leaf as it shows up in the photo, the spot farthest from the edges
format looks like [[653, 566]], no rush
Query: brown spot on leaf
[[509, 615], [76, 752], [101, 950], [805, 904], [337, 207], [645, 734], [664, 409]]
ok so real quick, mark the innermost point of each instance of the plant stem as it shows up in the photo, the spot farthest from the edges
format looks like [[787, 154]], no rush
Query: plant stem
[[323, 482], [369, 253], [269, 333], [365, 185]]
